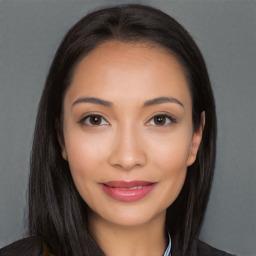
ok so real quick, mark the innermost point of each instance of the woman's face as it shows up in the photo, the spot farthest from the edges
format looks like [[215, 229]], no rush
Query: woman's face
[[128, 132]]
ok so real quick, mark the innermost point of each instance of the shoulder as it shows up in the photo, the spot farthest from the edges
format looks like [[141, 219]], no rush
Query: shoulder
[[202, 249], [31, 246]]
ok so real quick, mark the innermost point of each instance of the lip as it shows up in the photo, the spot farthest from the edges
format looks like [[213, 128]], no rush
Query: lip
[[128, 191]]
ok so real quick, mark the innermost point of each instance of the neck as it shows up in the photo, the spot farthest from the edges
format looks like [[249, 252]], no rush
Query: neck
[[147, 239]]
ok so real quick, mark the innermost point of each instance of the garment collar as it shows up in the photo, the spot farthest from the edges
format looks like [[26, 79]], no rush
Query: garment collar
[[169, 247]]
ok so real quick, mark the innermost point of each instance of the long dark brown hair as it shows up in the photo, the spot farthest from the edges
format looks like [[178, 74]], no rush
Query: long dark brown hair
[[57, 213]]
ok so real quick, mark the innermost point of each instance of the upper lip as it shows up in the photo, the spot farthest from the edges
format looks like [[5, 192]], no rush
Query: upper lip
[[127, 184]]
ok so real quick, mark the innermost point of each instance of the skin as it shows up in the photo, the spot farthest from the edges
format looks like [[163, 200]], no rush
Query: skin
[[128, 143]]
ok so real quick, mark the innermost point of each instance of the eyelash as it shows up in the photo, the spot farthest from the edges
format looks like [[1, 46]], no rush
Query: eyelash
[[172, 120]]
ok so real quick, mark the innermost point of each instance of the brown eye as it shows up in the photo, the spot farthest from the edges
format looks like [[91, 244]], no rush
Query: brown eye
[[160, 120], [94, 120]]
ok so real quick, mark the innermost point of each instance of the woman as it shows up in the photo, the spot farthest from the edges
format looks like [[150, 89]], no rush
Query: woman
[[125, 140]]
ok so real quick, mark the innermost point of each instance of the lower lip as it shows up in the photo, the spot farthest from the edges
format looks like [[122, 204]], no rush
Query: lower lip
[[127, 195]]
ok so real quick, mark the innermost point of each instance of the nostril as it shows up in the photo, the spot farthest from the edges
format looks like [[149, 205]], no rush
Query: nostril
[[127, 153]]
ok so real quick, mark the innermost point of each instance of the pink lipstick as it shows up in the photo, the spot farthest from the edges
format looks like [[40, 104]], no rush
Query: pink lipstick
[[127, 191]]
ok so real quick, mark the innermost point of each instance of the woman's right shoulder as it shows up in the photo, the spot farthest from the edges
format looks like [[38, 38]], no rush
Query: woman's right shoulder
[[30, 246]]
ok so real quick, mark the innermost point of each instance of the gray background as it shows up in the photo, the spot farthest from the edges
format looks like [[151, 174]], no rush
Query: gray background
[[30, 32]]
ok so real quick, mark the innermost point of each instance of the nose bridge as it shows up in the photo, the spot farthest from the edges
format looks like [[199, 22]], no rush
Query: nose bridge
[[128, 150]]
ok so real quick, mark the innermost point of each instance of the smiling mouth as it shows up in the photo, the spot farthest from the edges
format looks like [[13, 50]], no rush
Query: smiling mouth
[[138, 187], [127, 191]]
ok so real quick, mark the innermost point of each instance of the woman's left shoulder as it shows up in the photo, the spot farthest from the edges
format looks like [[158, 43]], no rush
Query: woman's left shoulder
[[30, 246], [202, 249]]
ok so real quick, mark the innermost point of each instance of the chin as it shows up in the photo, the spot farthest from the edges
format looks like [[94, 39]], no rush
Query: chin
[[129, 215]]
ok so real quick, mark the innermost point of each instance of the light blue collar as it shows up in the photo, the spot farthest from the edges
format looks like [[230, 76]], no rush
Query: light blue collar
[[168, 249]]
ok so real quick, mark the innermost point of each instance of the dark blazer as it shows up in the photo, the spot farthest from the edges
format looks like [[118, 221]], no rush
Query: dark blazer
[[32, 246]]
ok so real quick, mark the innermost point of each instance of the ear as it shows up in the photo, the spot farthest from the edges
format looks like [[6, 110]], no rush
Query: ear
[[61, 142], [196, 140]]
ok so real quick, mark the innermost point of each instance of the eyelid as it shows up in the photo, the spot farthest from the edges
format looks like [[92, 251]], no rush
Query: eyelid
[[88, 115], [172, 119]]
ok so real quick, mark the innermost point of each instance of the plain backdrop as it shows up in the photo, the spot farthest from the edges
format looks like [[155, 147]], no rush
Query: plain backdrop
[[30, 32]]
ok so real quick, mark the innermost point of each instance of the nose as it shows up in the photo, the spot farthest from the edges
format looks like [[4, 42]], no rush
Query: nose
[[128, 150]]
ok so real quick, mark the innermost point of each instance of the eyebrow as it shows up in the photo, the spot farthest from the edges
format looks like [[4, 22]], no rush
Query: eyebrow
[[151, 102], [162, 100], [93, 100]]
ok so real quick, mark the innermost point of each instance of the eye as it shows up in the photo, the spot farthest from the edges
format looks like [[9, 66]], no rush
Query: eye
[[93, 120], [162, 120]]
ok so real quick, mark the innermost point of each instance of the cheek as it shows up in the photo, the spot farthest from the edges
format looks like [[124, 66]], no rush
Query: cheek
[[171, 151], [86, 154], [172, 163], [173, 157], [170, 158]]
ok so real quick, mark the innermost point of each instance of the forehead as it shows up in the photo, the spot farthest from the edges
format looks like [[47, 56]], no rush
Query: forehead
[[129, 71]]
